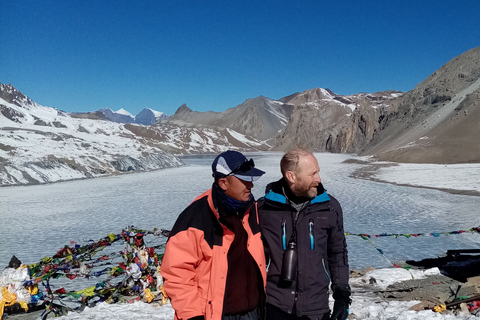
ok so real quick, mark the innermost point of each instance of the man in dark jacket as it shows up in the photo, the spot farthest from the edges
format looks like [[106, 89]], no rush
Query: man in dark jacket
[[214, 262], [305, 247]]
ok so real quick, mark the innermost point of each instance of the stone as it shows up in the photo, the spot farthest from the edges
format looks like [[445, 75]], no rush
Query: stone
[[474, 280], [468, 290], [424, 305], [356, 273]]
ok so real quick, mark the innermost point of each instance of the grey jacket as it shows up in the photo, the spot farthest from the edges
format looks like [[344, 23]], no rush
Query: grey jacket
[[321, 245]]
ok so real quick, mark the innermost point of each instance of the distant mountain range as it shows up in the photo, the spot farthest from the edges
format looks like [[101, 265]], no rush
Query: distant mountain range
[[436, 122], [146, 116], [40, 144]]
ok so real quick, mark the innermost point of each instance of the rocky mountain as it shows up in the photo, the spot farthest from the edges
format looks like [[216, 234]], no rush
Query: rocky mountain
[[195, 139], [119, 116], [39, 144], [439, 120], [318, 119], [325, 121], [436, 122], [148, 116], [260, 118]]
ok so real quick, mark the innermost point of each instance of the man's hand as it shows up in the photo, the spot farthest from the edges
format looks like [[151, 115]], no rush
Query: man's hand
[[342, 303], [340, 310]]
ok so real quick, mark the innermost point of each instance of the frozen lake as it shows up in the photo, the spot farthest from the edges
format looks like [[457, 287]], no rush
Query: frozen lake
[[38, 220]]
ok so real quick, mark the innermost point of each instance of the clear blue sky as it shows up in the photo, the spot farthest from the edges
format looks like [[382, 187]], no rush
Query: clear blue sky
[[83, 55]]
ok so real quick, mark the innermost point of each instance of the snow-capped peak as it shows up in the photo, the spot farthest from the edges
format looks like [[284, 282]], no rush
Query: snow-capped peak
[[157, 113], [124, 112]]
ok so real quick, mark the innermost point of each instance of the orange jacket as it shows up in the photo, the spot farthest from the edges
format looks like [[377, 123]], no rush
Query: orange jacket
[[195, 265]]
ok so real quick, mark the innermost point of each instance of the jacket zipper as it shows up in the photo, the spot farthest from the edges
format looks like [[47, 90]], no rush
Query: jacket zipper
[[312, 238], [284, 236], [325, 269], [211, 308]]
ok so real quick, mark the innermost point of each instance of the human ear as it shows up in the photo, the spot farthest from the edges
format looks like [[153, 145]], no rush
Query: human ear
[[223, 183], [290, 175]]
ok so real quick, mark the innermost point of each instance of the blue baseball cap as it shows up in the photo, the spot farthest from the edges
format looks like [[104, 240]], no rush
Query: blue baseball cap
[[233, 163]]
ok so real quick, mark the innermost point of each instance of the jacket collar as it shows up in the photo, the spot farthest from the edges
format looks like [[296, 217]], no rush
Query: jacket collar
[[275, 193], [211, 203]]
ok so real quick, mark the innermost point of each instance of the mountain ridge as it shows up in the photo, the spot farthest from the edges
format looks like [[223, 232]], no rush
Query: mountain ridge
[[146, 116], [436, 122], [40, 144]]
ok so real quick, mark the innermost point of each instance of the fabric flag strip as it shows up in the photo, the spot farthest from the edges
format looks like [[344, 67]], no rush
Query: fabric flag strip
[[134, 277], [367, 237]]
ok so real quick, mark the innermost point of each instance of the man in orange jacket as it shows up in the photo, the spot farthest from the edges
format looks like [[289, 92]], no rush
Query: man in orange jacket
[[214, 263]]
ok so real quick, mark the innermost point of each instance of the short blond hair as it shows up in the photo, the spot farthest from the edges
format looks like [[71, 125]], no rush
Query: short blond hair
[[290, 160]]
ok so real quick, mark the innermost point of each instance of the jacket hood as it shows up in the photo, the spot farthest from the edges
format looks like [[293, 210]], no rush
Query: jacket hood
[[274, 192]]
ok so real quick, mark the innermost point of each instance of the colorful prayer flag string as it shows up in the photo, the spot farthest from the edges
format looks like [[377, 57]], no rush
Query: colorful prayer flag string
[[367, 237], [415, 235], [139, 267]]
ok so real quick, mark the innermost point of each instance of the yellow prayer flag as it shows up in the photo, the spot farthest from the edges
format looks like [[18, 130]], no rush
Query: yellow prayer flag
[[148, 295]]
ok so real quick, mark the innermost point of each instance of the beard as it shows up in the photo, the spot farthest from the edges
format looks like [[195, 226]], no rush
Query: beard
[[308, 191], [312, 192]]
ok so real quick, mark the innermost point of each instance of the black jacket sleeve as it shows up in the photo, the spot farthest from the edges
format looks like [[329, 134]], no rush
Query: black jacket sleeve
[[337, 249]]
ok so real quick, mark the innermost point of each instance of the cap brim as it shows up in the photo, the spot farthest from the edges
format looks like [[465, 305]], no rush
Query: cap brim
[[251, 175]]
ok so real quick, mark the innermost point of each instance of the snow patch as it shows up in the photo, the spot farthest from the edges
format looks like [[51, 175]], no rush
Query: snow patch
[[124, 112], [382, 278], [157, 114], [452, 176], [242, 138]]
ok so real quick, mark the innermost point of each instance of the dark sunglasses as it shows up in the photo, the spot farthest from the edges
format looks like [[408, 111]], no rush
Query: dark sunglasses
[[244, 167]]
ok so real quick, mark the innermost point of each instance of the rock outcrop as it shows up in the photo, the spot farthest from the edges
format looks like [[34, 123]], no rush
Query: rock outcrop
[[325, 121], [437, 121], [260, 118]]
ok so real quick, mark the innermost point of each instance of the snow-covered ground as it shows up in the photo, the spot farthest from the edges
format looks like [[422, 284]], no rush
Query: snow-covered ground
[[42, 144], [448, 176], [39, 220], [364, 306]]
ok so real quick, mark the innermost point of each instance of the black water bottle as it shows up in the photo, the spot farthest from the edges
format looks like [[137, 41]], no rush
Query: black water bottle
[[289, 264]]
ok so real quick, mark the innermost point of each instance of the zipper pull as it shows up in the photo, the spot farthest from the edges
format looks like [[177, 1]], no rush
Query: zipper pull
[[312, 241]]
